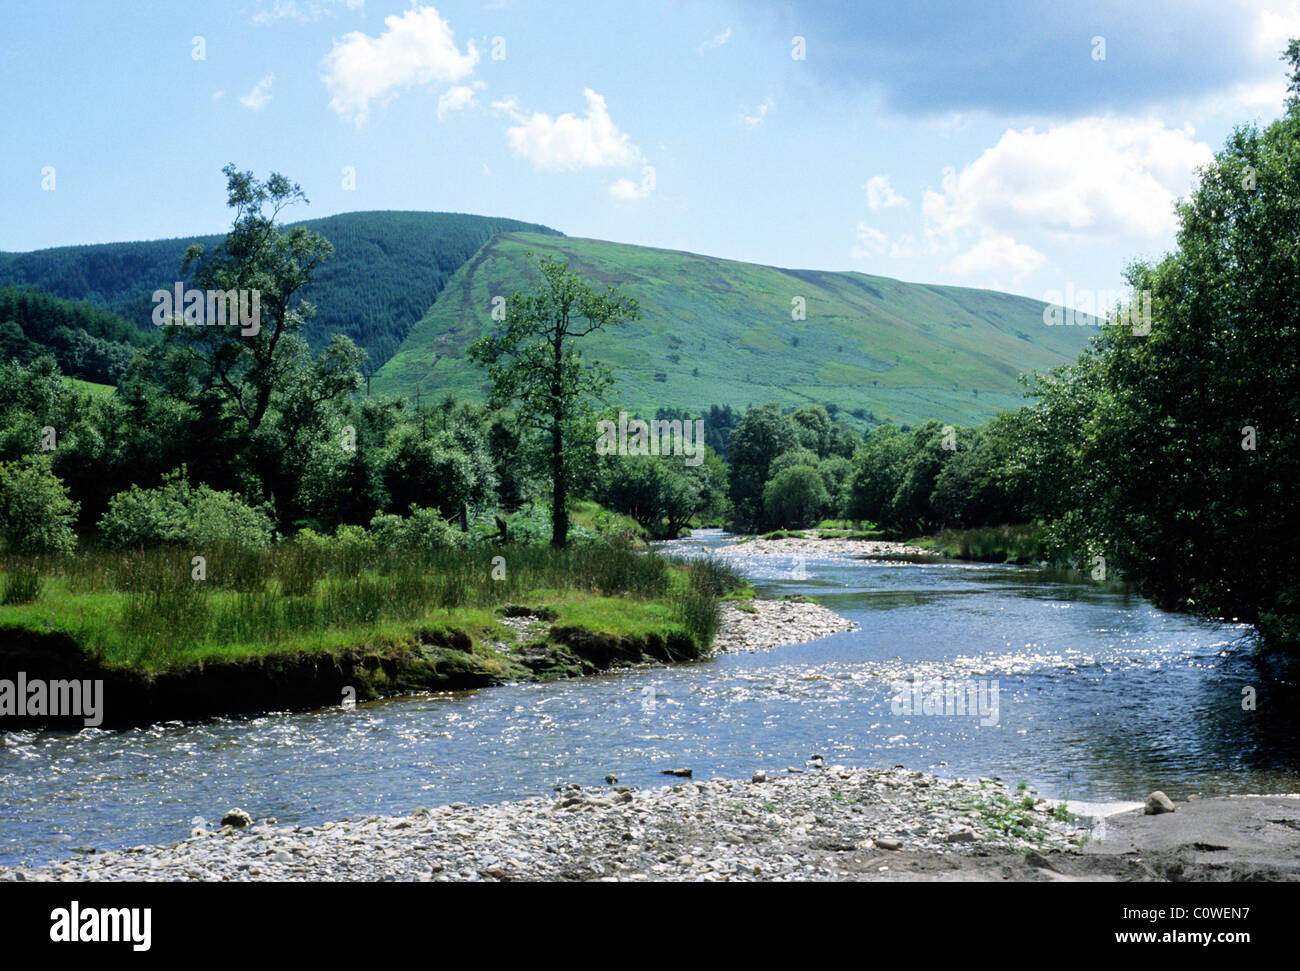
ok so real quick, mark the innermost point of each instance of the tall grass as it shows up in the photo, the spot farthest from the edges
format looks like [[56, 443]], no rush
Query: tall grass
[[168, 607], [995, 544]]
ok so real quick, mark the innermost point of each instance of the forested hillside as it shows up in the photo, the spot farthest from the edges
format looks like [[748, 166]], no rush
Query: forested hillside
[[386, 270], [87, 342]]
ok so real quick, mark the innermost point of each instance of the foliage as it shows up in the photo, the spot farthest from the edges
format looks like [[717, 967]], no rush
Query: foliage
[[532, 360], [36, 514], [178, 513]]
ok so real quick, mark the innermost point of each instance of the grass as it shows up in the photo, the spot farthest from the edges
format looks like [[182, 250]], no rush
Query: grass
[[876, 348], [784, 534], [990, 544], [146, 611]]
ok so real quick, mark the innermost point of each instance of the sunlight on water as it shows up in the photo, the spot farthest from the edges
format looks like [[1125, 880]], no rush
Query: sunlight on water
[[1100, 697]]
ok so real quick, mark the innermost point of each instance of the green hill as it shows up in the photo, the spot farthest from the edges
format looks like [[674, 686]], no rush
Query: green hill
[[715, 330], [386, 270]]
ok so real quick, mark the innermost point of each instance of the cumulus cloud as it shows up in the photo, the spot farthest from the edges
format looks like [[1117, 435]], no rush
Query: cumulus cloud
[[1095, 179], [880, 194], [630, 191], [569, 142], [458, 98], [756, 119], [261, 94], [416, 48], [998, 254]]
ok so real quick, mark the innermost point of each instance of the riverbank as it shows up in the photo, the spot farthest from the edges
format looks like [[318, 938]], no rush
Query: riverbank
[[798, 823], [815, 547], [517, 643]]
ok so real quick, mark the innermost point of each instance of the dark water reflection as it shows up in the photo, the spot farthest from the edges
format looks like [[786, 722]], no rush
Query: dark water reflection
[[1101, 697]]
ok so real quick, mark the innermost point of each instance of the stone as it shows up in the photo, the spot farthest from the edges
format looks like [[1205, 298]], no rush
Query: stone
[[759, 776], [237, 817], [888, 843], [611, 779], [681, 773], [1158, 803]]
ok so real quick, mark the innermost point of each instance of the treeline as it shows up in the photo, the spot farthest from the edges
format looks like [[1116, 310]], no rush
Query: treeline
[[84, 340], [389, 268]]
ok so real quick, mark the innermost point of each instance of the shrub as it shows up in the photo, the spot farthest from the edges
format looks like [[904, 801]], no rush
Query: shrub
[[177, 512], [36, 515]]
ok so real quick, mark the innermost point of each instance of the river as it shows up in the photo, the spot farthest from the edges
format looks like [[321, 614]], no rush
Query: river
[[1101, 697]]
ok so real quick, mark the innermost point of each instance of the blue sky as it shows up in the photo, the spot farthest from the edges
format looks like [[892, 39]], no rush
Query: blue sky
[[1016, 146]]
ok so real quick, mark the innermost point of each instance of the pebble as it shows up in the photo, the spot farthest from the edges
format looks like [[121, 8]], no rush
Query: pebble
[[798, 826]]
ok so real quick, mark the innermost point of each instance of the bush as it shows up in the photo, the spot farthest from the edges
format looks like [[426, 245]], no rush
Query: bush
[[177, 512], [36, 515], [795, 497], [422, 529]]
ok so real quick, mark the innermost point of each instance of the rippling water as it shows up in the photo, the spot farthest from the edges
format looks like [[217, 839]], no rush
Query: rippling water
[[1101, 697]]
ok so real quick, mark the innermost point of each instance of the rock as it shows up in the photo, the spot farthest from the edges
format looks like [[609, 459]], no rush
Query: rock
[[888, 843], [1158, 803], [961, 836], [611, 779], [237, 817], [759, 776], [683, 773]]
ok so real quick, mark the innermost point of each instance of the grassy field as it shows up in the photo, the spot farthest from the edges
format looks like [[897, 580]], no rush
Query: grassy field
[[147, 612], [90, 387], [720, 331]]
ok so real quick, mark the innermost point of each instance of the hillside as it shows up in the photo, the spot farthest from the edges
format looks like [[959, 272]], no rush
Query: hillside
[[386, 270], [715, 330]]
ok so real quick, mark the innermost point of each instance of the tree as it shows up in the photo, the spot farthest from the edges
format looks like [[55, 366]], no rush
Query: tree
[[36, 515], [1178, 450], [795, 497], [263, 377], [762, 435], [532, 360]]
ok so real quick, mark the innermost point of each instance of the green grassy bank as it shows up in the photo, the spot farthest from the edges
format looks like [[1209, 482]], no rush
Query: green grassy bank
[[292, 626]]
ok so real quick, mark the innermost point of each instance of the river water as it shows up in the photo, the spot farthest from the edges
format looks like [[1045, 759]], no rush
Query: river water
[[1100, 697]]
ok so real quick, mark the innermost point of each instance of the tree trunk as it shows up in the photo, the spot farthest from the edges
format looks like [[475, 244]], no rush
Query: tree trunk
[[559, 490]]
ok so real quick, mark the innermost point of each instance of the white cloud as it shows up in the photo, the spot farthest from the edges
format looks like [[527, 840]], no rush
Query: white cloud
[[630, 191], [458, 98], [260, 95], [717, 41], [218, 95], [756, 119], [998, 254], [872, 242], [1094, 179], [880, 194], [416, 48], [1276, 27], [308, 11], [569, 142]]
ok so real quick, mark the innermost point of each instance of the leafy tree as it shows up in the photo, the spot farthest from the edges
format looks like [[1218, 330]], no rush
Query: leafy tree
[[532, 360], [795, 497], [762, 435], [36, 514], [1176, 453]]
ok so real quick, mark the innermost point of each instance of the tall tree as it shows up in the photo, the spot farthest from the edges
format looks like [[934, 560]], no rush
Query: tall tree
[[532, 360], [263, 379], [256, 255]]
